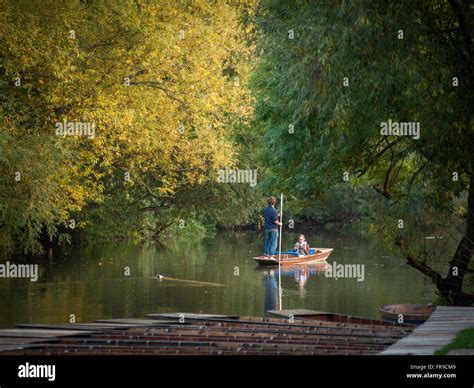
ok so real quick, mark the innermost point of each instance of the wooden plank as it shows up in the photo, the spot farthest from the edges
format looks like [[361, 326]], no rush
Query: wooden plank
[[21, 340], [81, 326], [454, 318], [72, 326], [455, 311], [433, 342], [431, 337], [41, 333], [191, 316], [439, 330], [295, 313], [411, 346], [5, 348], [134, 322], [406, 352]]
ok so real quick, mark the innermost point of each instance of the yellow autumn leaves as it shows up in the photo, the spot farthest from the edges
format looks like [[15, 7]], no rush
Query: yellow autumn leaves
[[158, 80]]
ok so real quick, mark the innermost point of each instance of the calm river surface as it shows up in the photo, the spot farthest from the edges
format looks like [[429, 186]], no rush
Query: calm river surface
[[90, 282]]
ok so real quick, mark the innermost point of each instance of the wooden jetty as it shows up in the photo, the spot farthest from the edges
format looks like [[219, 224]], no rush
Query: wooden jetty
[[439, 330], [207, 334]]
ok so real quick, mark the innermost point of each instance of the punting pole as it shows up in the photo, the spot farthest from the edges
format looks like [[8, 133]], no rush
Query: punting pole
[[279, 253]]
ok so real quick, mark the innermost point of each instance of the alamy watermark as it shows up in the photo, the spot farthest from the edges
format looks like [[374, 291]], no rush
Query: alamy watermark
[[396, 128], [336, 271], [11, 270], [28, 370], [75, 128], [228, 175]]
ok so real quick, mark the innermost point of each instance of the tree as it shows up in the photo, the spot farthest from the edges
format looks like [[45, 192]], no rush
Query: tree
[[331, 76], [161, 84]]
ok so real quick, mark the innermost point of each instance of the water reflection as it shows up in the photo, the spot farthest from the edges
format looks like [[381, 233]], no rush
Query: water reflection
[[92, 282], [301, 275], [270, 283]]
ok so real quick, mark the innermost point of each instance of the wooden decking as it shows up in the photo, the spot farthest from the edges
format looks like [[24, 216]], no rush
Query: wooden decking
[[205, 334], [439, 330]]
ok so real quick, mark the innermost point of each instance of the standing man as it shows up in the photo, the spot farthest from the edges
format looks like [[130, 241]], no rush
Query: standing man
[[271, 228]]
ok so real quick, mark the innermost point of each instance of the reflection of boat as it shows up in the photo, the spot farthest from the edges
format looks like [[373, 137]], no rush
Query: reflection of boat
[[291, 270], [301, 273], [289, 259], [410, 313]]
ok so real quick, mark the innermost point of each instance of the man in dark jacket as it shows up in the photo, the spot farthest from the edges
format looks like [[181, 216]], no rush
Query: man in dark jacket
[[271, 228]]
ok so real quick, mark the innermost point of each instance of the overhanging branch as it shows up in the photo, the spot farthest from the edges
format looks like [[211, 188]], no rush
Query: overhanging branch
[[412, 261]]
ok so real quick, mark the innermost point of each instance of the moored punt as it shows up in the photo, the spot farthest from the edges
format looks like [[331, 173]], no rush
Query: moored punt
[[289, 259], [325, 316], [410, 313], [200, 334]]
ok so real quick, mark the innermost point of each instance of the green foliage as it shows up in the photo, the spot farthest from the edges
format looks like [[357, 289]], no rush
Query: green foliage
[[158, 80], [329, 74], [299, 82], [464, 340]]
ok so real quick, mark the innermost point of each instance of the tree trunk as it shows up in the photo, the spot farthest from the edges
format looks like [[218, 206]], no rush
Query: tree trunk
[[451, 286]]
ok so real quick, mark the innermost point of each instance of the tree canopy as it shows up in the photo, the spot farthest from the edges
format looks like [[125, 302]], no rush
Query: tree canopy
[[163, 83], [331, 76]]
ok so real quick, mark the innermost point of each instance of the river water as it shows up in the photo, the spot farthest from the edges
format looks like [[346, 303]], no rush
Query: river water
[[216, 275]]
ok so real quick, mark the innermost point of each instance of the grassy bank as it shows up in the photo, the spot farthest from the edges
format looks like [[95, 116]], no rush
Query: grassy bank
[[463, 340]]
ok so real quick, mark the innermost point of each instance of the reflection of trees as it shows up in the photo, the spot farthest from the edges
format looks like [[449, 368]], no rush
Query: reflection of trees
[[76, 283]]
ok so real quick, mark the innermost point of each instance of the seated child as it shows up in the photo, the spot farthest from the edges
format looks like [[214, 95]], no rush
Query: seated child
[[301, 246]]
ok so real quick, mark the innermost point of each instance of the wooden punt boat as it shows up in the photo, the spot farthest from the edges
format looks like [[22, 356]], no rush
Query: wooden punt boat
[[313, 269], [412, 313], [311, 315], [289, 259]]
